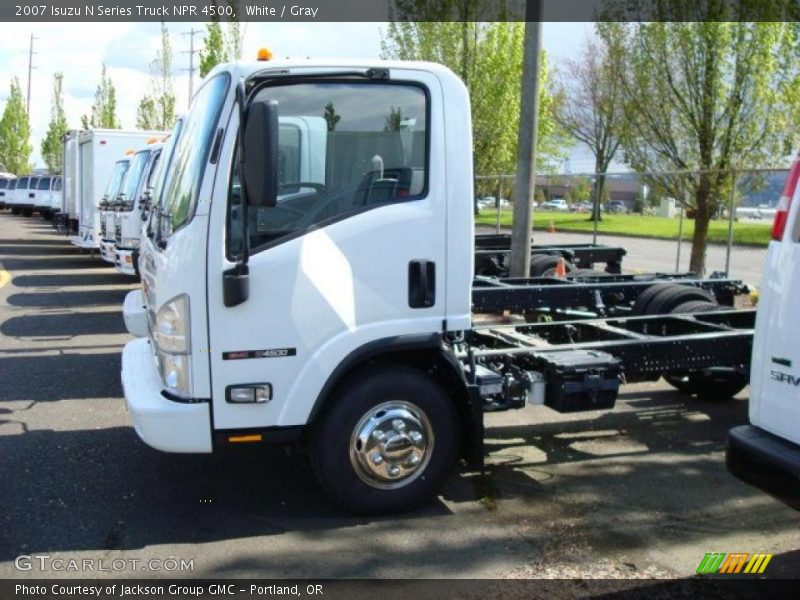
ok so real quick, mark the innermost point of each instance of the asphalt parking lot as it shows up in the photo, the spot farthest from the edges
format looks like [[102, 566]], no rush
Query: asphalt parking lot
[[640, 491]]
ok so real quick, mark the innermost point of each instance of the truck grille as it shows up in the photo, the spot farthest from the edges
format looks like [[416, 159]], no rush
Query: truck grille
[[118, 233], [102, 229]]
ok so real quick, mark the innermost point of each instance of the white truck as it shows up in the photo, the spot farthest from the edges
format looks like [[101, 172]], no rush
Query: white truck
[[21, 200], [56, 196], [42, 196], [98, 151], [108, 205], [6, 187], [322, 291], [767, 451], [68, 219], [128, 209]]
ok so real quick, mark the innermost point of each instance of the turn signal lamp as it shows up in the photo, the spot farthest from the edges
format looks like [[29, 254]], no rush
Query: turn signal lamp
[[264, 54], [129, 152]]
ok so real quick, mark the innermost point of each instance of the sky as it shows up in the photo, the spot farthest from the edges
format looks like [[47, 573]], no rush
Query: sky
[[78, 50]]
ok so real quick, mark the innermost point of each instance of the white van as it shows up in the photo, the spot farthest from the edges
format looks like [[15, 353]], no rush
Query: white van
[[767, 451], [6, 185]]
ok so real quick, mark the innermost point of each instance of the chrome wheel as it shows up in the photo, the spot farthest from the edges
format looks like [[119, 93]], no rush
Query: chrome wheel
[[391, 445]]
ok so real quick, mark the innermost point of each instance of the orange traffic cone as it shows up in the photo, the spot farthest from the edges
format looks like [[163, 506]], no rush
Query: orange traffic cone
[[551, 228], [561, 268]]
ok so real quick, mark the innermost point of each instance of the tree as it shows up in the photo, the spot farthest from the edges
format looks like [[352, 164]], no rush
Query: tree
[[213, 53], [331, 118], [221, 46], [703, 95], [590, 110], [488, 58], [51, 144], [157, 107], [104, 109], [581, 189], [15, 131]]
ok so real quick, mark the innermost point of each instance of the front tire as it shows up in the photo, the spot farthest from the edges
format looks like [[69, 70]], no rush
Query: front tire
[[386, 442]]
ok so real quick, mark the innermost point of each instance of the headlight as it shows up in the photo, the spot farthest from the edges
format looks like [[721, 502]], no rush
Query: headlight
[[176, 373], [172, 326]]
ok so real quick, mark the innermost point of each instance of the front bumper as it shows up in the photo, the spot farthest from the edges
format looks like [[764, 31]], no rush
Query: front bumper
[[765, 461], [107, 251], [161, 423], [135, 313], [126, 261]]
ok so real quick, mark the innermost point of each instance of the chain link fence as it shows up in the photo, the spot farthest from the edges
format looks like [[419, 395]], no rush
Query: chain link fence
[[652, 215]]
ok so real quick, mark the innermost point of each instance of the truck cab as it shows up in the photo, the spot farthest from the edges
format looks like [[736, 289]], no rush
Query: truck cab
[[20, 201], [766, 451], [128, 211], [108, 206], [299, 288]]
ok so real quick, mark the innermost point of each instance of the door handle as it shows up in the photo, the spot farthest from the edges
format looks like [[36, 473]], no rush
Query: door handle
[[421, 283]]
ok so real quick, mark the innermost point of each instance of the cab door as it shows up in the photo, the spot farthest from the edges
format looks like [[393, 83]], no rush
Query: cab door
[[352, 254]]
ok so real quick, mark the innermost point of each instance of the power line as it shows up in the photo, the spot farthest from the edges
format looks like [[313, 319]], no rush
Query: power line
[[30, 69], [191, 52]]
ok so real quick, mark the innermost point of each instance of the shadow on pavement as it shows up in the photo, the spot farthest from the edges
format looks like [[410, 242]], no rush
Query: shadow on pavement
[[78, 279], [60, 377], [68, 299], [64, 325]]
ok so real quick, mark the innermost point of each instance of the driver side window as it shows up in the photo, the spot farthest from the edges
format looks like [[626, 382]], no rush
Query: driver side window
[[344, 147]]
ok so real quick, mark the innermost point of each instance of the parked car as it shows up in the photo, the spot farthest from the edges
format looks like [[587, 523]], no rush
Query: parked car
[[581, 207], [766, 452], [617, 206], [556, 204]]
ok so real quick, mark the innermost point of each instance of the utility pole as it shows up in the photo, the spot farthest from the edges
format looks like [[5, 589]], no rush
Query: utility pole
[[191, 52], [526, 151], [30, 69]]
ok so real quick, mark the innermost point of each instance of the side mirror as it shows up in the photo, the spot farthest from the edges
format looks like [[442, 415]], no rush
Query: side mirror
[[259, 157]]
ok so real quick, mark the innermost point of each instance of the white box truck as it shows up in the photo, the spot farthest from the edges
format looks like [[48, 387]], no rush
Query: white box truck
[[323, 293], [98, 150], [67, 220]]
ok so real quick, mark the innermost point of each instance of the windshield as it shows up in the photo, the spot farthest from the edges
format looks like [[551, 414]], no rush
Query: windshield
[[127, 195], [117, 175], [12, 185], [34, 181], [343, 147], [44, 183], [185, 175], [158, 177], [57, 184]]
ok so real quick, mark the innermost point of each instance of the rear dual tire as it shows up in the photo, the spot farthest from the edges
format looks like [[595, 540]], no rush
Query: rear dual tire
[[676, 299]]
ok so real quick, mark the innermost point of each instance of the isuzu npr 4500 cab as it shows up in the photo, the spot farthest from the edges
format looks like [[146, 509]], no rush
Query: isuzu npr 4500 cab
[[308, 277], [105, 214], [128, 210]]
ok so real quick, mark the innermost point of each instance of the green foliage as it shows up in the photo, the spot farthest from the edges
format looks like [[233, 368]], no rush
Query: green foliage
[[51, 144], [220, 47], [706, 96], [157, 108], [15, 131], [104, 109], [331, 118], [214, 51], [488, 58], [581, 189]]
